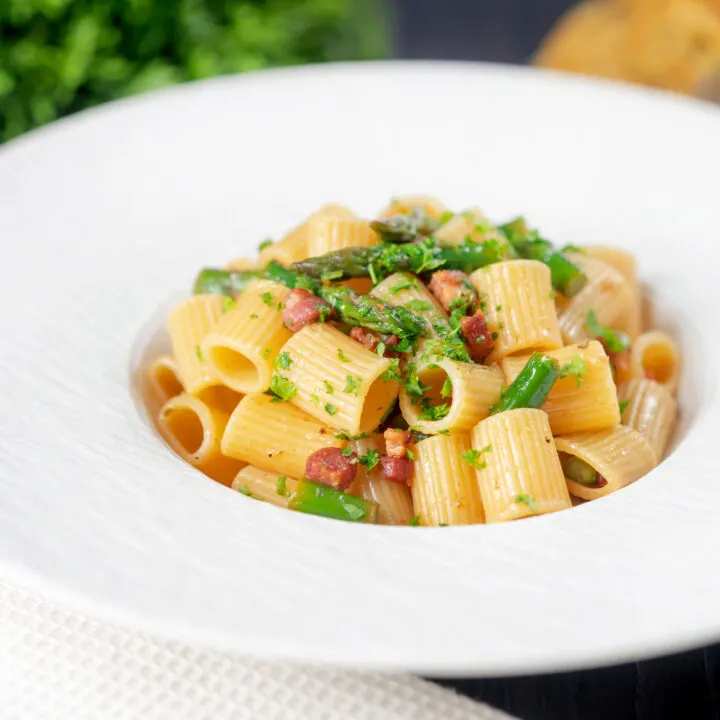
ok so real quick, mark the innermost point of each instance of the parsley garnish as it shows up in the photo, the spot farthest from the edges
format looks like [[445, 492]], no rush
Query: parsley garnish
[[414, 521], [329, 389], [614, 340], [347, 451], [419, 305], [282, 388], [433, 412], [446, 389], [410, 454], [283, 361], [623, 406], [526, 499], [577, 367], [474, 458], [402, 285], [266, 352], [370, 459], [393, 371], [342, 356], [253, 316], [330, 409], [244, 490], [199, 354], [314, 399], [281, 486], [352, 385], [269, 299], [571, 248], [228, 303], [498, 308], [343, 435], [412, 383], [443, 432], [265, 243]]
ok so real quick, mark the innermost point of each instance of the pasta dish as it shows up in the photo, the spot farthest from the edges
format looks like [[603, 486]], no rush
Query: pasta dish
[[423, 368]]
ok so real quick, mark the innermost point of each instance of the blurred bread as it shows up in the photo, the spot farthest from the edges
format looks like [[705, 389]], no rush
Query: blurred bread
[[672, 44]]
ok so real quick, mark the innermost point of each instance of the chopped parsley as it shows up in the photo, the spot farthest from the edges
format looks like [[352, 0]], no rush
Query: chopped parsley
[[393, 371], [613, 340], [244, 490], [329, 389], [347, 451], [402, 285], [330, 409], [433, 412], [571, 248], [269, 299], [498, 308], [414, 521], [494, 335], [343, 435], [447, 388], [443, 525], [265, 244], [526, 499], [412, 383], [228, 303], [419, 305], [576, 368], [443, 432], [314, 399], [411, 455], [342, 356], [474, 458], [283, 361], [370, 459], [282, 388], [352, 385], [623, 406], [281, 486], [199, 354], [253, 316], [266, 352], [552, 294]]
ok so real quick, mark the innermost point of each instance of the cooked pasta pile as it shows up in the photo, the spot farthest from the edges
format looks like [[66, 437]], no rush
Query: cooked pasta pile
[[424, 368]]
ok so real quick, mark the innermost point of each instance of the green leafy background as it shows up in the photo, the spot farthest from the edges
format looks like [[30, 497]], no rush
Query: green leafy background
[[60, 56]]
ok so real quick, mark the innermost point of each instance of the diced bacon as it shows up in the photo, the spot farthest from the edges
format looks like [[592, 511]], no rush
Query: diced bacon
[[329, 466], [477, 336], [303, 308], [371, 340], [396, 469], [452, 288], [396, 442]]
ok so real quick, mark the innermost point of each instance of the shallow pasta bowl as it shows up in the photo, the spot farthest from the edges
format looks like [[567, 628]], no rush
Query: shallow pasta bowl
[[106, 217]]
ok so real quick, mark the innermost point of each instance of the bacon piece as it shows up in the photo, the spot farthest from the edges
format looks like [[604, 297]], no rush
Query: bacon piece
[[396, 442], [371, 340], [396, 469], [329, 466], [303, 308], [452, 288], [477, 336]]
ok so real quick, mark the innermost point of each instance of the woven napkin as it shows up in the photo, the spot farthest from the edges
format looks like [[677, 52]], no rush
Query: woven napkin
[[57, 665]]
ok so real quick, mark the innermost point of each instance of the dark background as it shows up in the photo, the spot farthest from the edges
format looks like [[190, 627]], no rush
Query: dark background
[[681, 687]]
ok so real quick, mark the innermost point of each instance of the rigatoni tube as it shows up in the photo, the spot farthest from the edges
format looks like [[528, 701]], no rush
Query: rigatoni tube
[[162, 382], [244, 344], [619, 456], [515, 296], [651, 410], [327, 233], [270, 487], [275, 436], [337, 380], [194, 431], [188, 325], [586, 400], [444, 490], [517, 466], [655, 355]]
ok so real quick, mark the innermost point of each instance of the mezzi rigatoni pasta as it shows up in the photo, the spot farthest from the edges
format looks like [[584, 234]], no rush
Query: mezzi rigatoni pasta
[[422, 367]]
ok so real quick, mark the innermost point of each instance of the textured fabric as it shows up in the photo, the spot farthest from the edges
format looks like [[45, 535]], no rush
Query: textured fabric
[[57, 665]]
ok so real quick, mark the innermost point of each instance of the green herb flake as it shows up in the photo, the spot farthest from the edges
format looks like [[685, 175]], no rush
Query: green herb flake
[[577, 368], [266, 352], [494, 335], [329, 389], [330, 409], [283, 361], [571, 248], [433, 412], [412, 383], [447, 388], [342, 356], [498, 308], [402, 285], [244, 490], [613, 340], [475, 459], [228, 303], [253, 316], [265, 244], [393, 371], [623, 406], [552, 294], [281, 486], [526, 499], [411, 455], [443, 525], [348, 451], [314, 399], [332, 275], [414, 521], [370, 459], [443, 432], [352, 385], [282, 388], [419, 305], [269, 299], [199, 354]]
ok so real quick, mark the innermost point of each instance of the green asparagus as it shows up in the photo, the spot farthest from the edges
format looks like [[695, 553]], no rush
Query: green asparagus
[[405, 228], [329, 502], [578, 470], [531, 387], [567, 278]]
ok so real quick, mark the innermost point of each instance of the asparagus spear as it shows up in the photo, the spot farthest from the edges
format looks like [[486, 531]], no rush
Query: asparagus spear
[[578, 470], [531, 387], [405, 228], [567, 278], [327, 501], [353, 309], [417, 257]]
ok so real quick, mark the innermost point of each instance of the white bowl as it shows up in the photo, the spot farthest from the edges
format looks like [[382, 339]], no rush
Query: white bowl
[[104, 216]]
